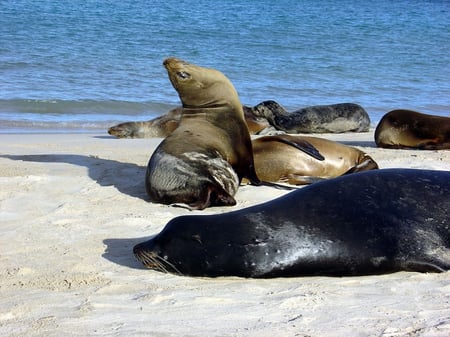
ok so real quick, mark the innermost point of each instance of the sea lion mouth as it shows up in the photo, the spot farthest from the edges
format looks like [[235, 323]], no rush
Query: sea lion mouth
[[152, 260], [173, 62]]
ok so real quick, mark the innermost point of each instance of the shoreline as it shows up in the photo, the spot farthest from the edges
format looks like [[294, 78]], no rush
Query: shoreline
[[72, 207]]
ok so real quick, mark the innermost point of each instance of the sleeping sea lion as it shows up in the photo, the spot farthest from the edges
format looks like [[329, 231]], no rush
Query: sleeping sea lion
[[335, 118], [164, 125], [403, 129], [372, 222], [278, 159]]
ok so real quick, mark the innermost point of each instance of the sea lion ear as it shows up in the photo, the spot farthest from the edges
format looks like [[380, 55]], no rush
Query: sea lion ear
[[183, 75]]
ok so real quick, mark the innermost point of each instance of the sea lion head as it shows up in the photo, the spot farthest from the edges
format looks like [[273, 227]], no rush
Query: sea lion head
[[200, 87], [166, 252]]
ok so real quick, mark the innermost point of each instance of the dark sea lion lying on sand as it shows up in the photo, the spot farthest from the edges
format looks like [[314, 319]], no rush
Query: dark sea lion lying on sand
[[373, 222]]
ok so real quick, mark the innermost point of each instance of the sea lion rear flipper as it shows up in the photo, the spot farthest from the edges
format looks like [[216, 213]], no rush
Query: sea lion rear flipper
[[299, 144], [367, 164], [424, 267]]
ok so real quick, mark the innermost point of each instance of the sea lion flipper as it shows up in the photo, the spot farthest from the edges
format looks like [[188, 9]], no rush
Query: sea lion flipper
[[301, 144], [277, 186], [367, 164], [211, 195], [425, 267], [296, 179]]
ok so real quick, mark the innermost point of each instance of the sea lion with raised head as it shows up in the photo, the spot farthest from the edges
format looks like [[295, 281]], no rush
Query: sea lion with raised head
[[278, 159], [334, 118], [201, 163], [407, 129], [372, 222]]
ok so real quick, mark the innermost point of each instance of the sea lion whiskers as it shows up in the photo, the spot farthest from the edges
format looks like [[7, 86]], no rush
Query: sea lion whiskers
[[153, 261]]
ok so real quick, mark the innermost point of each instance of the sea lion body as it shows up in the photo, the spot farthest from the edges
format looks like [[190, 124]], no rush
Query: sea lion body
[[335, 118], [277, 160], [202, 162], [372, 222], [410, 129]]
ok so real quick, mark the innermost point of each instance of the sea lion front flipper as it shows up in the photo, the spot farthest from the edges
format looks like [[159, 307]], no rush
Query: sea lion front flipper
[[213, 196], [299, 144]]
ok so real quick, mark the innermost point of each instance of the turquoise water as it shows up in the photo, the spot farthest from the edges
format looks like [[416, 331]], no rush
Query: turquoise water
[[86, 65]]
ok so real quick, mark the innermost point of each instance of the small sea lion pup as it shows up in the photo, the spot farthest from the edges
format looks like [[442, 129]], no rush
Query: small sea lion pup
[[403, 129], [201, 163], [278, 159], [335, 118], [372, 222]]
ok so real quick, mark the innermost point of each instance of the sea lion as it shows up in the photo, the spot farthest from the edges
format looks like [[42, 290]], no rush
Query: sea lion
[[278, 159], [163, 125], [400, 129], [372, 222], [202, 162], [335, 118], [267, 117]]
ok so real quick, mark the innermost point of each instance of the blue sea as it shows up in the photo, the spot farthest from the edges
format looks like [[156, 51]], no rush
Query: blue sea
[[86, 65]]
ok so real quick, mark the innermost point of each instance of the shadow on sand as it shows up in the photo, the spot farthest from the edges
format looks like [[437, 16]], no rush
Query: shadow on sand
[[128, 178], [120, 251], [358, 143]]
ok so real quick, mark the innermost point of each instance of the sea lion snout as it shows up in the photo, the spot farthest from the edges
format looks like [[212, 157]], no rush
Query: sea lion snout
[[147, 254]]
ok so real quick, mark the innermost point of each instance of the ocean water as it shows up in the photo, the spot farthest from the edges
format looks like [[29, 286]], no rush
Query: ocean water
[[85, 65]]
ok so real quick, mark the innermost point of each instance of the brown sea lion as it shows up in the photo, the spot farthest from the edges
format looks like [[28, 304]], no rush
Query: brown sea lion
[[278, 159], [164, 125], [202, 162], [334, 118], [400, 129], [160, 126]]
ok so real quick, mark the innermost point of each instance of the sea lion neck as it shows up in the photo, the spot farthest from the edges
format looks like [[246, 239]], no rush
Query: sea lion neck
[[196, 108]]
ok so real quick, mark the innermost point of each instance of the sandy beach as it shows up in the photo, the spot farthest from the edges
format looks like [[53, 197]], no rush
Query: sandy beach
[[72, 206]]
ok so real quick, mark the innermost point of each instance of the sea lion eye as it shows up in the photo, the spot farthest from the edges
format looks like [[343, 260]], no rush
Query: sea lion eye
[[183, 74]]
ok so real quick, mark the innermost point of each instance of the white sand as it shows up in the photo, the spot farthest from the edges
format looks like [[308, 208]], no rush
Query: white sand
[[72, 206]]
